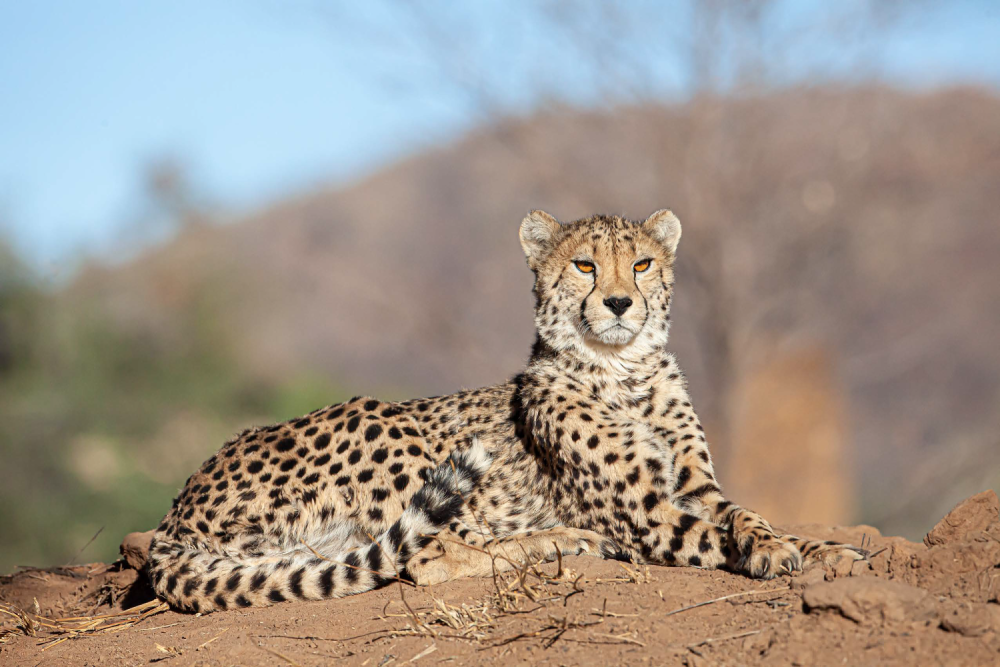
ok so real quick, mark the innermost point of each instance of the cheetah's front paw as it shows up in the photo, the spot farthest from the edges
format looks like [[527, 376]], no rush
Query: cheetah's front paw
[[767, 556]]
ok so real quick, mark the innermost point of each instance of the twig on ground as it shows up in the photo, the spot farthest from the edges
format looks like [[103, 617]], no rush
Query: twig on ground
[[282, 656], [201, 646], [159, 627], [727, 597], [423, 654], [713, 640]]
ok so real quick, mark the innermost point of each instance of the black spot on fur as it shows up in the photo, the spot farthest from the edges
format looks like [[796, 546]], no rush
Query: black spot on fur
[[295, 583], [374, 558], [326, 581], [257, 581], [352, 562], [683, 477], [650, 501]]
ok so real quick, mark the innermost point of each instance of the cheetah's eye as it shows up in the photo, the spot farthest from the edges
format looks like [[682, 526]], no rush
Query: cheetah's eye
[[584, 266], [642, 265]]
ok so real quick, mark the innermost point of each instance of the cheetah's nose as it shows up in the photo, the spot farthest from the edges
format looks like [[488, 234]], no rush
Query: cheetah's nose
[[618, 304]]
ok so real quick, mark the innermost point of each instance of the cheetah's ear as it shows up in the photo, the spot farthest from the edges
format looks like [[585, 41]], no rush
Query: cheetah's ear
[[538, 233], [665, 228]]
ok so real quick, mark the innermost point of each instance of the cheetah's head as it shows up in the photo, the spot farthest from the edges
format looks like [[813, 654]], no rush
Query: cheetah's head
[[602, 283]]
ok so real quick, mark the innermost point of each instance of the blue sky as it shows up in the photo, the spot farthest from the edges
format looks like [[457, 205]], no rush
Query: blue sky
[[262, 99]]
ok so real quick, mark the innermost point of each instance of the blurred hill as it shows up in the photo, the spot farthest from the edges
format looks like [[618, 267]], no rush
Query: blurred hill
[[859, 225]]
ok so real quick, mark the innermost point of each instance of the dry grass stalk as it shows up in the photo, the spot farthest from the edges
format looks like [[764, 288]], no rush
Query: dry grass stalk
[[22, 623], [58, 630], [693, 648], [521, 591], [282, 656], [558, 627], [634, 574], [727, 597]]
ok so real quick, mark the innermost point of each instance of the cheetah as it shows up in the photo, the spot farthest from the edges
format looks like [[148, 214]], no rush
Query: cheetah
[[593, 449]]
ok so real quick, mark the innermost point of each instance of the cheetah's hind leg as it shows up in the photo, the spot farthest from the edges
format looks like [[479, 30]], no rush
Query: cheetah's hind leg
[[464, 552]]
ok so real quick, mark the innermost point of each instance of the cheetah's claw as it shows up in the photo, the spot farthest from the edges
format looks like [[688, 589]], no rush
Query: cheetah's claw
[[767, 559]]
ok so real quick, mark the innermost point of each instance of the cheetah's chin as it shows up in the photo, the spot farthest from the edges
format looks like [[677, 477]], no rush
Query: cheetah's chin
[[616, 334]]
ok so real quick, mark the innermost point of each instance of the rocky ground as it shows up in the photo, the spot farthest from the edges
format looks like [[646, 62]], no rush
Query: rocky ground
[[930, 603]]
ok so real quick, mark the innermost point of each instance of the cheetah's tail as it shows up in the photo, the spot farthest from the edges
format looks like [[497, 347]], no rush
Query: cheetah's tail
[[194, 579]]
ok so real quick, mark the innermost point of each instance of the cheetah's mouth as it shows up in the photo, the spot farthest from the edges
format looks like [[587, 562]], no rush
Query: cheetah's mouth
[[618, 332]]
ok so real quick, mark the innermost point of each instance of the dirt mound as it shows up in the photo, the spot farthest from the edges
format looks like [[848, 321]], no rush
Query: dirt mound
[[933, 603]]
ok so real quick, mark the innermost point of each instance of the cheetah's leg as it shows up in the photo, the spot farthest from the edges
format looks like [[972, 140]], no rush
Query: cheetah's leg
[[670, 535], [755, 547], [464, 552]]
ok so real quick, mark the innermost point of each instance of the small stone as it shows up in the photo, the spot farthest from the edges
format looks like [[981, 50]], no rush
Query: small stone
[[871, 601], [972, 620], [812, 575]]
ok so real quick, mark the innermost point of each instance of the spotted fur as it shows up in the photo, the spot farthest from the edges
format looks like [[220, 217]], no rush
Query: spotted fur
[[595, 448]]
